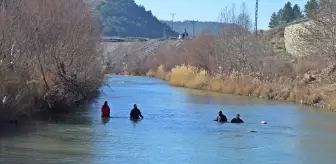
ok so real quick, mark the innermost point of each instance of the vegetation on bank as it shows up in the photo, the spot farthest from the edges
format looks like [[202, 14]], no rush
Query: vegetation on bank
[[127, 19], [48, 56], [285, 89], [235, 61]]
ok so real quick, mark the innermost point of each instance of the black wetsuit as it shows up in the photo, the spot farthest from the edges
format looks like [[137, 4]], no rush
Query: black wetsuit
[[237, 121], [222, 118], [135, 114]]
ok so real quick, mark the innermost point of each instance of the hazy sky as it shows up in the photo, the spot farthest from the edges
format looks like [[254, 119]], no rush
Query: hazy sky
[[208, 10]]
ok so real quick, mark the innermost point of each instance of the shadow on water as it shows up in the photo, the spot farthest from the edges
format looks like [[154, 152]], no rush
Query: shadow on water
[[106, 120], [136, 122], [55, 138], [30, 125]]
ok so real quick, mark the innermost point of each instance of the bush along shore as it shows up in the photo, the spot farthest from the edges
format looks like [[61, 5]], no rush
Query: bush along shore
[[284, 89], [237, 61], [48, 56]]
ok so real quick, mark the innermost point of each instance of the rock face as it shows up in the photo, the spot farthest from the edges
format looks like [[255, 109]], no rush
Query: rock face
[[292, 38], [308, 37], [295, 41]]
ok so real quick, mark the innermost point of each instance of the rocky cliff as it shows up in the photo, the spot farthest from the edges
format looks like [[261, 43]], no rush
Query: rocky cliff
[[290, 39]]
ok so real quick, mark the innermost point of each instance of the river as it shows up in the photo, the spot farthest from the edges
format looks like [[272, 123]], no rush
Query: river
[[177, 128]]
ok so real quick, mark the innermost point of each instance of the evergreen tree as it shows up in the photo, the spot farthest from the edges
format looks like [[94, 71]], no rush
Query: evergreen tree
[[281, 17], [311, 6], [297, 12], [288, 14], [274, 21]]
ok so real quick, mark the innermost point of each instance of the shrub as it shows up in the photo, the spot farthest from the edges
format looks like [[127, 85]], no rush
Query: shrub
[[48, 55]]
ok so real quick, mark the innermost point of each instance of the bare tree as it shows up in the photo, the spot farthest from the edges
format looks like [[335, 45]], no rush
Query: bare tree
[[319, 32], [46, 45], [225, 52], [236, 48]]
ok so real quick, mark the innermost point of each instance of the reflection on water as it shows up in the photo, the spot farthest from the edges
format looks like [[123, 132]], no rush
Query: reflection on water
[[178, 128], [105, 120]]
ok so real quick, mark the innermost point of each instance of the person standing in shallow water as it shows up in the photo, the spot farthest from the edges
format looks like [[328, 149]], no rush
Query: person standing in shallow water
[[237, 120], [135, 113], [105, 110], [221, 117]]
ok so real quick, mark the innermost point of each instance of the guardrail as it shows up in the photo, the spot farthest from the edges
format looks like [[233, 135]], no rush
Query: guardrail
[[133, 39]]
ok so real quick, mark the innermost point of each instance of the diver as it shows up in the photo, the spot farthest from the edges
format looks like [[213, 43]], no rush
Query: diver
[[237, 120], [221, 117], [105, 110], [135, 113]]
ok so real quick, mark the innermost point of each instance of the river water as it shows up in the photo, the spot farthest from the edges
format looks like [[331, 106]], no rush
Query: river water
[[177, 128]]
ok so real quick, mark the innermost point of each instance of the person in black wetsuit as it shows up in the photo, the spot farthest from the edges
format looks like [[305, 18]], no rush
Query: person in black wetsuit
[[135, 113], [221, 117], [237, 120]]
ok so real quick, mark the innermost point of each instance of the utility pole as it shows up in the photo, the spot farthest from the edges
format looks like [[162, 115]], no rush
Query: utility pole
[[256, 18], [173, 16], [164, 33], [193, 23]]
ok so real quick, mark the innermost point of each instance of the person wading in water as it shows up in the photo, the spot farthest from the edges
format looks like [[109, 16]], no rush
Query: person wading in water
[[135, 113], [221, 117], [105, 110], [237, 120]]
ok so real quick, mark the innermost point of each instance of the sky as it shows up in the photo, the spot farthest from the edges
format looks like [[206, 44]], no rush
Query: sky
[[208, 10]]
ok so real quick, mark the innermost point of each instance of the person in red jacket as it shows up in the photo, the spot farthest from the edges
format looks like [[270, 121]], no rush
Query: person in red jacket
[[105, 110]]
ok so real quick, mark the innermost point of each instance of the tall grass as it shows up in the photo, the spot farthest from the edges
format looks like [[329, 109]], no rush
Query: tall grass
[[188, 76], [246, 85]]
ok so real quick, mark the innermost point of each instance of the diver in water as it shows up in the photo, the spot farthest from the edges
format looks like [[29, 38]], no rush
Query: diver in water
[[237, 120], [105, 110], [221, 117], [135, 113]]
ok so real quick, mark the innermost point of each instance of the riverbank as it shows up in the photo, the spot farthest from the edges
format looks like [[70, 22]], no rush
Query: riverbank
[[302, 91], [47, 64]]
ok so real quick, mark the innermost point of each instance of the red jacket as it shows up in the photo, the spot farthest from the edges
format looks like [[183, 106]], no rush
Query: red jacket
[[105, 110]]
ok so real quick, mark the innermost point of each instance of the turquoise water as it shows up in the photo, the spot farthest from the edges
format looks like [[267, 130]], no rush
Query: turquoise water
[[177, 128]]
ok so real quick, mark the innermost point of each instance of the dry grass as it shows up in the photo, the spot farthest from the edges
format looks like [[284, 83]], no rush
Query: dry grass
[[160, 72], [188, 76], [240, 84], [332, 104], [151, 73]]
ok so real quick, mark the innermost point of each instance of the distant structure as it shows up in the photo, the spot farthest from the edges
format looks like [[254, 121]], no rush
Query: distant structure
[[183, 35], [164, 33]]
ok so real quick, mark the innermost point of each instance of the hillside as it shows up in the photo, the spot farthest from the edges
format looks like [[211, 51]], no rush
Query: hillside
[[180, 26], [125, 18], [131, 56]]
